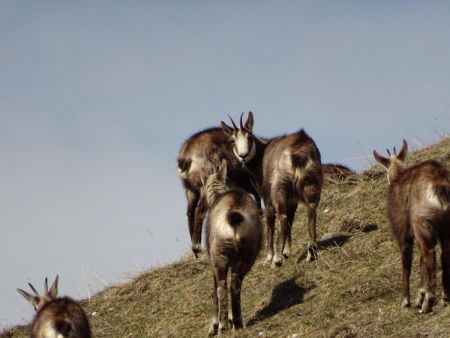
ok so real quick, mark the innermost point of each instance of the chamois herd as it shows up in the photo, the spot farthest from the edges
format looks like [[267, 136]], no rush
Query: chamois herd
[[226, 171]]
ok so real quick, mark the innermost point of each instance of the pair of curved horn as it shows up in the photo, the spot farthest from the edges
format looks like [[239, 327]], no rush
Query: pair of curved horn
[[240, 122]]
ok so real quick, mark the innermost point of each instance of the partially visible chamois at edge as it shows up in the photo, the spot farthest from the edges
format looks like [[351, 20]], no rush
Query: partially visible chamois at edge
[[56, 317], [418, 209]]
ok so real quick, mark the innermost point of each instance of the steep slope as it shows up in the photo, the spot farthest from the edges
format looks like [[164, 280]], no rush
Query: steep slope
[[352, 290]]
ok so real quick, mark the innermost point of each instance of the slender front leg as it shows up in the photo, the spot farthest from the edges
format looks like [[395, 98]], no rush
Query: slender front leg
[[192, 201], [200, 211]]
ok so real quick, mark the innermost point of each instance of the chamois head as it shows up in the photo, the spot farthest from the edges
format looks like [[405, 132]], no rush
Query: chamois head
[[216, 183], [395, 163], [38, 301], [241, 138]]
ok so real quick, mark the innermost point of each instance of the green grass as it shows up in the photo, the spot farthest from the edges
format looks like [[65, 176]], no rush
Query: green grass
[[352, 290]]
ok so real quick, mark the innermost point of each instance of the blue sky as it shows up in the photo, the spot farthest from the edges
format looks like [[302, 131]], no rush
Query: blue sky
[[97, 97]]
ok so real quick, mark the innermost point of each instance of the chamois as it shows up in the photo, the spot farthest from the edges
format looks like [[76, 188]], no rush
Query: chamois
[[198, 156], [287, 170], [56, 317], [418, 209], [333, 173], [234, 232]]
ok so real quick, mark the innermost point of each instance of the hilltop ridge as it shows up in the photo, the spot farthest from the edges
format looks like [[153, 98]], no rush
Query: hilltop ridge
[[352, 290]]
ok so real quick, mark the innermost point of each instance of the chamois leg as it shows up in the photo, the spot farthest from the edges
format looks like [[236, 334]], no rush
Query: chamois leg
[[192, 199], [222, 296], [236, 314], [199, 216], [428, 266], [445, 259], [215, 319], [270, 225], [421, 293], [406, 249], [282, 228], [290, 219], [311, 194]]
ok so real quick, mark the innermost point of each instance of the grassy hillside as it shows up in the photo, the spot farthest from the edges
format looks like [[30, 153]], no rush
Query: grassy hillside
[[352, 290]]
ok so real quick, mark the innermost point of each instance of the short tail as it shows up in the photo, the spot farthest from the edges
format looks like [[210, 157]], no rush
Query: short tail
[[63, 327], [234, 218], [443, 193]]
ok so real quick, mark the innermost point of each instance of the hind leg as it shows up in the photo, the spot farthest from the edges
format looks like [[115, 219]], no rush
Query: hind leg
[[199, 216], [426, 239], [445, 259], [406, 250], [290, 219], [214, 327], [311, 195], [237, 277], [282, 225], [270, 225]]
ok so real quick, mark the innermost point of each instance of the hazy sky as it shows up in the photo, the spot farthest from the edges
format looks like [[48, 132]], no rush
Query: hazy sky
[[97, 97]]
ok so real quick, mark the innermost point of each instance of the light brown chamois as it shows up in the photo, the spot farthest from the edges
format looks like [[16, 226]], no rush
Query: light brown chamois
[[418, 209], [288, 170], [56, 317], [234, 232], [197, 158]]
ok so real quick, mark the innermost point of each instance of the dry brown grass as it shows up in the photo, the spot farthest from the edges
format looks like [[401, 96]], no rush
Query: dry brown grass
[[352, 290]]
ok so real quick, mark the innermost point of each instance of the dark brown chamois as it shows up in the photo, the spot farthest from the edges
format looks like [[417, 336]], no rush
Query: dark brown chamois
[[197, 158], [333, 172], [418, 209], [234, 232], [288, 170], [56, 317]]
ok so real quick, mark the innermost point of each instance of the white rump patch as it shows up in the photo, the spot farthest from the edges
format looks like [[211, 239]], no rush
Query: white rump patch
[[48, 331], [432, 199]]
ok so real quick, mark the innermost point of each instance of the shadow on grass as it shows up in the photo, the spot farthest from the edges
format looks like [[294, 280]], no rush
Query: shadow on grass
[[284, 295], [337, 240]]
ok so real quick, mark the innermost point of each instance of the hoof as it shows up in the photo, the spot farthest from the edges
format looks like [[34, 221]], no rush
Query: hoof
[[312, 253], [268, 260], [213, 329], [196, 249], [406, 303], [277, 262]]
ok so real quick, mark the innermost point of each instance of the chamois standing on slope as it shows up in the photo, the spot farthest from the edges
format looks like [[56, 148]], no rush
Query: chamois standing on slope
[[56, 317], [418, 209], [234, 232], [197, 158], [288, 170]]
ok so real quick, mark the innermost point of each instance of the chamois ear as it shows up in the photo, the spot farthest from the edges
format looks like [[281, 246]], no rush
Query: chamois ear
[[53, 292], [227, 130], [401, 156], [380, 159], [249, 123], [29, 297], [222, 173]]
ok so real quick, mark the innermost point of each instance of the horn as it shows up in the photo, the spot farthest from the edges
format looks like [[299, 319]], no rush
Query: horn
[[46, 285], [234, 124], [389, 153], [240, 121], [395, 152], [34, 290]]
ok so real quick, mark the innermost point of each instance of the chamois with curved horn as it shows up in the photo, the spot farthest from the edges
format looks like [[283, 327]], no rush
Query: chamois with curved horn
[[234, 233], [288, 170], [418, 209], [197, 158], [56, 317]]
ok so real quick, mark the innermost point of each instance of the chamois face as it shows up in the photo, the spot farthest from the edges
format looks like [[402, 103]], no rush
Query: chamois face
[[242, 138], [394, 164], [38, 301]]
